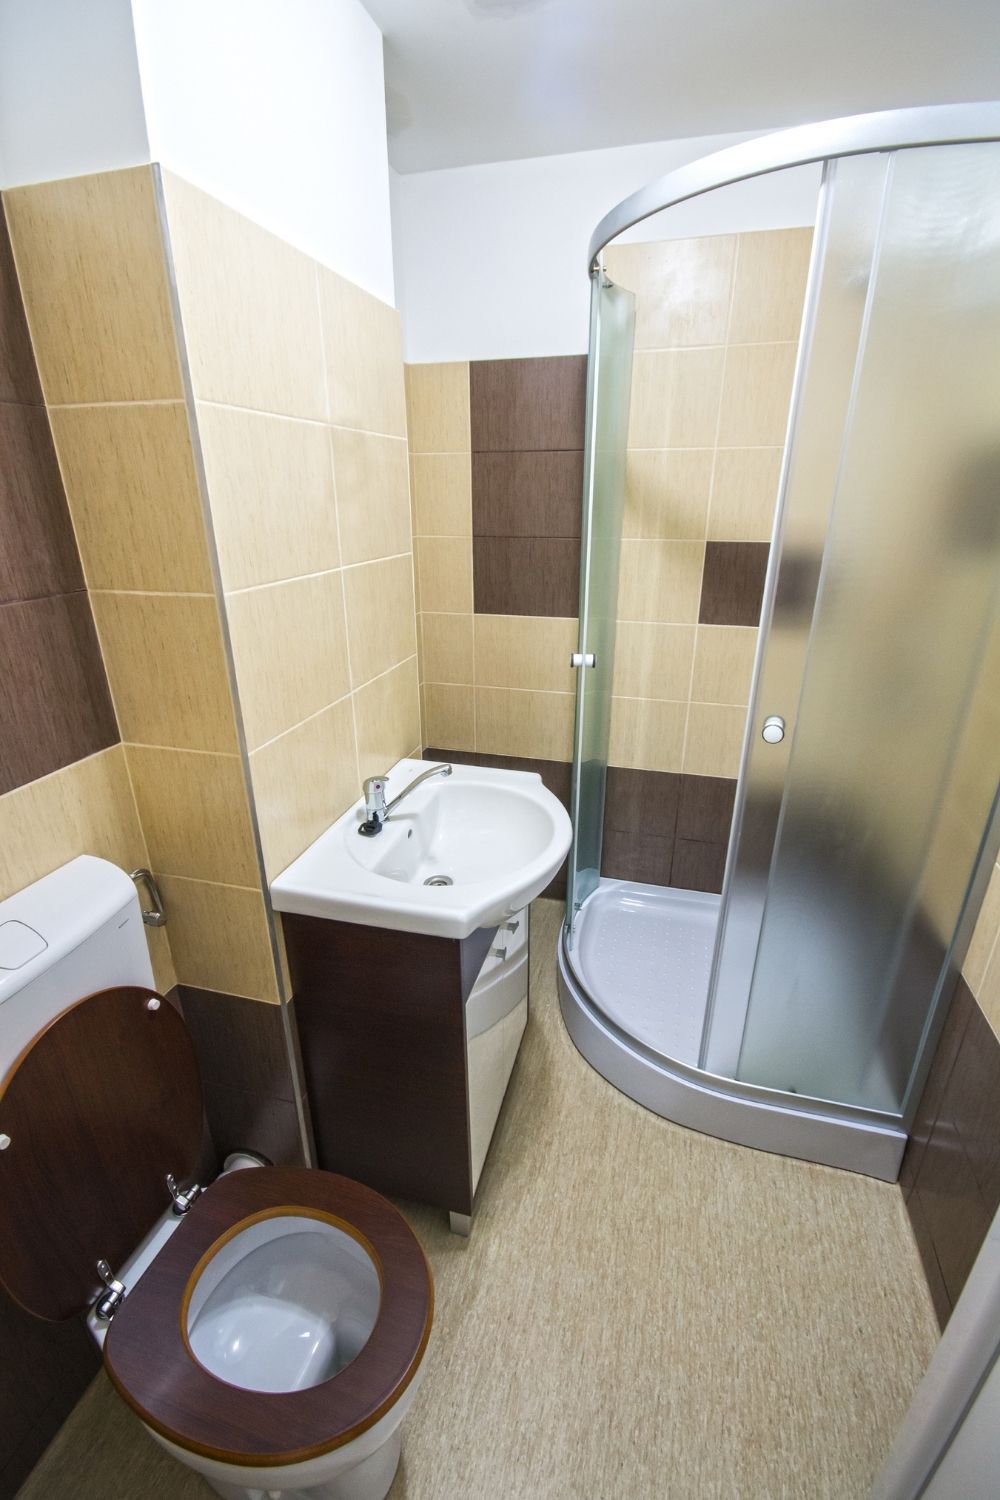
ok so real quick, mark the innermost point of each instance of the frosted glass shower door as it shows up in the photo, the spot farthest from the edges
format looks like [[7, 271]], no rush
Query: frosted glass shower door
[[609, 386], [881, 649]]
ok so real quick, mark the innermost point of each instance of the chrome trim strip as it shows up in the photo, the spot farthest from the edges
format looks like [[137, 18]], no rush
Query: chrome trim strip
[[852, 135]]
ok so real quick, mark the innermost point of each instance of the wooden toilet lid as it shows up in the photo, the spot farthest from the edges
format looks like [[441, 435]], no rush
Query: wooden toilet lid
[[98, 1109], [149, 1359]]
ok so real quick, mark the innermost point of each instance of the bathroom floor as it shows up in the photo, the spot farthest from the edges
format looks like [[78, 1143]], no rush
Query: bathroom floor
[[640, 1312]]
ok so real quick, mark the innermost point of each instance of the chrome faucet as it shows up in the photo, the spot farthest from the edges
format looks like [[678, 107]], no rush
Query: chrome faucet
[[377, 810]]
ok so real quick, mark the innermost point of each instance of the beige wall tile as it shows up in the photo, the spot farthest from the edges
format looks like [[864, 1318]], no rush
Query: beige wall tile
[[167, 670], [219, 937], [675, 398], [270, 485], [446, 648], [666, 492], [86, 808], [771, 270], [303, 781], [660, 581], [756, 393], [714, 740], [437, 407], [194, 813], [444, 574], [989, 991], [373, 495], [364, 358], [985, 937], [528, 724], [647, 735], [248, 302], [449, 716], [381, 624], [525, 651], [723, 663], [682, 288], [442, 493], [744, 494], [290, 649], [91, 265], [133, 493], [387, 716], [653, 661]]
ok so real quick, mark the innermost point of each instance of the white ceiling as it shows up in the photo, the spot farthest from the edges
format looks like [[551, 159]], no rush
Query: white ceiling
[[487, 80]]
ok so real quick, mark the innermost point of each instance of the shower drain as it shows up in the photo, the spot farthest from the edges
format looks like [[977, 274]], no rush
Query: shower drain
[[439, 880]]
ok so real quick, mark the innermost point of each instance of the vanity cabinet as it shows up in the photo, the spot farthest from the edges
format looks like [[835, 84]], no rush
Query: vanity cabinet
[[408, 1044]]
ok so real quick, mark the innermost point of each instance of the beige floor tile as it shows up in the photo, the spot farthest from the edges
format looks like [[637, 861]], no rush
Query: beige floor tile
[[133, 493], [381, 621], [303, 781], [373, 495], [530, 724], [437, 407], [647, 735], [442, 493], [756, 395], [270, 485], [653, 661], [446, 648], [194, 813], [525, 651], [666, 492], [660, 581], [640, 1312], [290, 650], [675, 398]]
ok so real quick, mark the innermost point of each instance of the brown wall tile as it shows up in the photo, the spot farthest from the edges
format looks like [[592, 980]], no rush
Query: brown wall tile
[[698, 867], [666, 829], [38, 553], [54, 700], [733, 584], [527, 493], [527, 403], [18, 374], [526, 575], [643, 857], [705, 808]]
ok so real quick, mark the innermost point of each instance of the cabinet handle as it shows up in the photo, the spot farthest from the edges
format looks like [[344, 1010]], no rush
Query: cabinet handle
[[510, 926], [500, 953]]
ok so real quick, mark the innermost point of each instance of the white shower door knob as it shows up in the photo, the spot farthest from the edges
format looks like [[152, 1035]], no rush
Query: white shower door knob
[[582, 659], [774, 729]]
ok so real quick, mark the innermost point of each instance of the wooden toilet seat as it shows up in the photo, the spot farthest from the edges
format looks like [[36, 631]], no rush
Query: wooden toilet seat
[[147, 1356]]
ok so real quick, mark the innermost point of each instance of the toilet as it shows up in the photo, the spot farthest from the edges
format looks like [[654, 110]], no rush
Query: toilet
[[269, 1330]]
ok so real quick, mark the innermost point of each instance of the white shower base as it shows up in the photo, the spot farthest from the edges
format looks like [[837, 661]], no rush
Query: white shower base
[[633, 993]]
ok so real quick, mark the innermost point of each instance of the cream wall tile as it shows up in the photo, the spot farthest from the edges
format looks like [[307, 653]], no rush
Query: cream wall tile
[[442, 493], [364, 358], [381, 624], [985, 937], [446, 648], [85, 808], [714, 740], [133, 493], [660, 580], [270, 485], [682, 288], [91, 264], [525, 651], [653, 661], [219, 937], [675, 398], [744, 494], [437, 407], [449, 716], [290, 649], [666, 492], [770, 288], [303, 781], [989, 992], [373, 495], [756, 393], [723, 663], [248, 302], [167, 670], [646, 735], [194, 813], [444, 574], [531, 724], [387, 716]]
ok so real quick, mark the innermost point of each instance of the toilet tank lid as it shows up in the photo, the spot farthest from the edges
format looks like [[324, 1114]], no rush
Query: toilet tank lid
[[43, 922]]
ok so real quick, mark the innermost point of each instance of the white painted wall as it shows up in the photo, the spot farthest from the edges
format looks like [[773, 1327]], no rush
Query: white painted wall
[[70, 100], [277, 109], [491, 260]]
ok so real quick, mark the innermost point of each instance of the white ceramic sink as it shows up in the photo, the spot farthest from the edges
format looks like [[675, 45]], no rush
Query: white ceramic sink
[[497, 837]]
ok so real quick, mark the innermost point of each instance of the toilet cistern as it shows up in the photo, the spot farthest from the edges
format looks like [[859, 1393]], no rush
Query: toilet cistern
[[377, 810]]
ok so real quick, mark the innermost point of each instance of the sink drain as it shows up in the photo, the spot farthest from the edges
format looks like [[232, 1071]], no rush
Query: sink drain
[[439, 880]]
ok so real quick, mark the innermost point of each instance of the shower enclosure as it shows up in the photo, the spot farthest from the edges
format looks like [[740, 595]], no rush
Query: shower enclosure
[[799, 1010]]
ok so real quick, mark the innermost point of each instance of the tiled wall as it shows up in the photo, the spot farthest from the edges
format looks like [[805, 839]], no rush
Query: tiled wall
[[497, 470]]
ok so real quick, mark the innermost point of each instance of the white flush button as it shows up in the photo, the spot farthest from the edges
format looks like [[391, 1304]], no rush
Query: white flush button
[[774, 729], [19, 944]]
